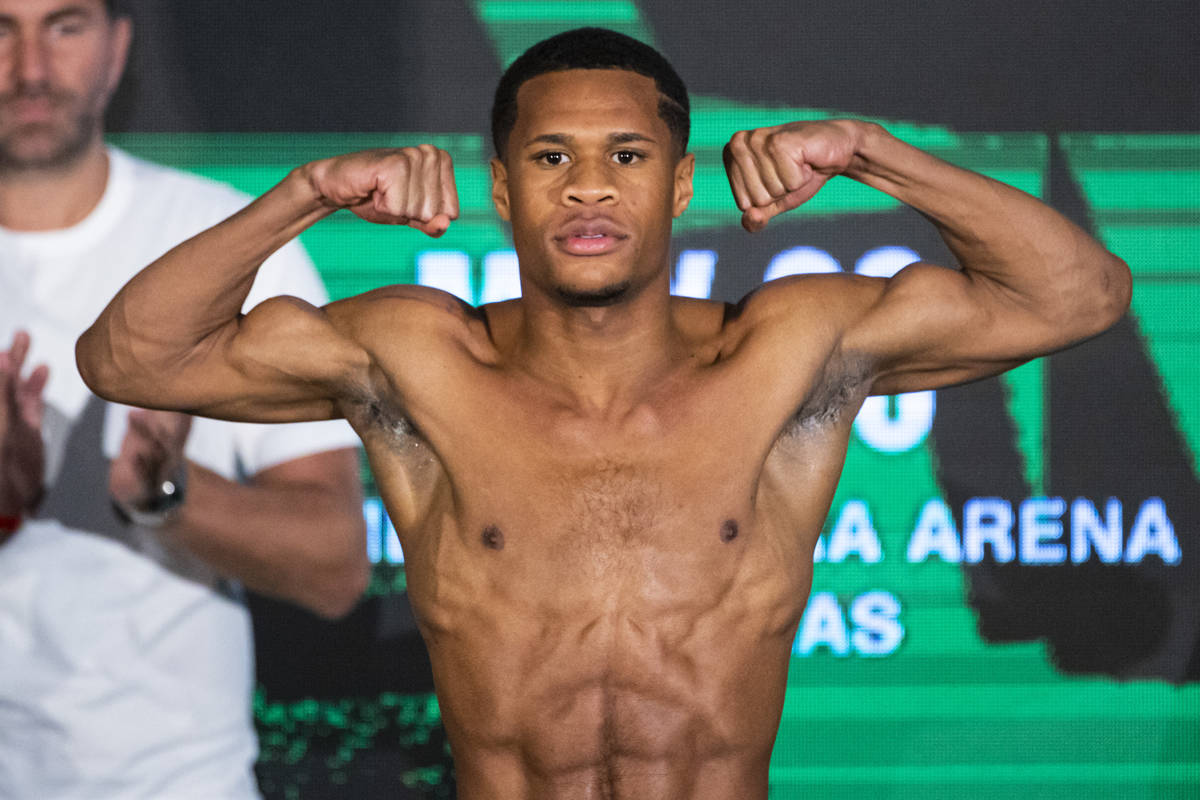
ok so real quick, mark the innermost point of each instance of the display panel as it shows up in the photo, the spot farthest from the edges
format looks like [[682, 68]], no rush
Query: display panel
[[1006, 596]]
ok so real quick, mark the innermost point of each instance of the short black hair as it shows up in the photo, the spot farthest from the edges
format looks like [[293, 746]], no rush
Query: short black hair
[[592, 48]]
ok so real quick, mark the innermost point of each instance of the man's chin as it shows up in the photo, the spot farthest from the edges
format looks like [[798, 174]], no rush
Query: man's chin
[[41, 147], [593, 298]]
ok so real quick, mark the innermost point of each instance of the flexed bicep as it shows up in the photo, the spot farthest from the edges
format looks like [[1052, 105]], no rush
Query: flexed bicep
[[931, 326], [284, 361], [281, 362]]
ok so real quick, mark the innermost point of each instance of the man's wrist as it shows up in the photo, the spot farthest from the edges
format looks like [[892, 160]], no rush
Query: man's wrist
[[163, 505], [866, 137], [306, 185]]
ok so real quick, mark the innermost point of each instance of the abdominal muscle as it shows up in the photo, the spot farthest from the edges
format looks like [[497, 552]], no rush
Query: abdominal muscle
[[661, 677]]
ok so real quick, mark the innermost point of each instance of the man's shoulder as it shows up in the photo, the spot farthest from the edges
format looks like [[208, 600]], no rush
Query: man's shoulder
[[811, 301], [413, 298], [797, 314], [408, 311]]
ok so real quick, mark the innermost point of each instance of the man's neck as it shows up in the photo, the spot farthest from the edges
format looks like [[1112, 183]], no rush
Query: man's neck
[[608, 357], [50, 199]]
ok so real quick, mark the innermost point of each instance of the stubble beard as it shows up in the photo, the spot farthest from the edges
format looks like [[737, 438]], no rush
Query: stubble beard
[[594, 298], [51, 145]]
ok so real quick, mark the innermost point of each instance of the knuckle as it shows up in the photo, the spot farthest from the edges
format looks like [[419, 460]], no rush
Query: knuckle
[[775, 145]]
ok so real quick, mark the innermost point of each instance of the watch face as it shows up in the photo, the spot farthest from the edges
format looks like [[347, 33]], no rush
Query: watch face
[[159, 509], [170, 494]]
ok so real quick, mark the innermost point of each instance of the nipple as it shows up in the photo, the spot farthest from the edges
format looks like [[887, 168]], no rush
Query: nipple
[[492, 538], [729, 530]]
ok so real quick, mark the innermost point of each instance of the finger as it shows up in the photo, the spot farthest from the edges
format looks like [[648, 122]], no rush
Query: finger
[[146, 435], [165, 431], [18, 352], [385, 200], [414, 187], [430, 199], [168, 423], [794, 170], [434, 227], [766, 158], [756, 218], [736, 183], [29, 396], [748, 165], [449, 186]]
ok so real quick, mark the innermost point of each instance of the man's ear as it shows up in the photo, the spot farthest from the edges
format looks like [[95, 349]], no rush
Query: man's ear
[[500, 188], [683, 183]]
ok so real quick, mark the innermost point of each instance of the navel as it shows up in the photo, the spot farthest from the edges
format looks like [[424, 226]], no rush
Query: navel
[[729, 530], [492, 538]]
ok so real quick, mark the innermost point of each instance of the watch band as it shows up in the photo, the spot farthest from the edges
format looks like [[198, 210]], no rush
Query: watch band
[[163, 505]]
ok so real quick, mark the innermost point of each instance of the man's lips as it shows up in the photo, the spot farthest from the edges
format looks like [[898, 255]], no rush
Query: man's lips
[[590, 237], [31, 109]]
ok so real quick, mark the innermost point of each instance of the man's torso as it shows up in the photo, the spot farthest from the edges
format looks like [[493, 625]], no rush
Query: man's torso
[[609, 598]]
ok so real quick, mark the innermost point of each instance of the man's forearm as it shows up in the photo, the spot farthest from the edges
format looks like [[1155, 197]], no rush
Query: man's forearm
[[295, 533], [997, 232], [197, 289]]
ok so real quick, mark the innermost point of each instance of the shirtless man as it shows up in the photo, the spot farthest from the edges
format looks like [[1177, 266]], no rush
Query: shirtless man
[[608, 497]]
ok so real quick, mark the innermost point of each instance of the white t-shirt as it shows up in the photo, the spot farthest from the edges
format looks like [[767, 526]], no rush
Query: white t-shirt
[[126, 666]]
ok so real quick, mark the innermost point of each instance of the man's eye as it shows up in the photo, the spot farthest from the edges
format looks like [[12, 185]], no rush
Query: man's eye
[[67, 27], [552, 158], [627, 157]]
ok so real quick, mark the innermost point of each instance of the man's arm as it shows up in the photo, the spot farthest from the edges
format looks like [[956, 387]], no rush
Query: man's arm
[[295, 531], [174, 336], [1031, 281]]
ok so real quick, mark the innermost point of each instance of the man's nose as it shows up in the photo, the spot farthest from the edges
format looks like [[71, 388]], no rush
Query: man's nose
[[589, 184], [32, 61]]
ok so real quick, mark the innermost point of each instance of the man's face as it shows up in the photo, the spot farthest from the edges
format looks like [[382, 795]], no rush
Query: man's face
[[60, 61], [590, 181]]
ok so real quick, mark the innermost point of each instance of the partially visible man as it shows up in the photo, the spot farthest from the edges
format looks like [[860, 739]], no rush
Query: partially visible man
[[125, 655]]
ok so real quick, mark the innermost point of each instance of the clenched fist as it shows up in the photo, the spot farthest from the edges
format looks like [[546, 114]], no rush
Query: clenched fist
[[395, 186], [772, 170]]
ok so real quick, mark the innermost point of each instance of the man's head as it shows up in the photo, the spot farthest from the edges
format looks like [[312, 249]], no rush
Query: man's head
[[60, 61], [592, 48], [591, 177]]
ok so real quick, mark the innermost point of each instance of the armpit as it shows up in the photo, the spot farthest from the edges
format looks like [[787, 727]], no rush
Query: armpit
[[842, 385], [373, 414]]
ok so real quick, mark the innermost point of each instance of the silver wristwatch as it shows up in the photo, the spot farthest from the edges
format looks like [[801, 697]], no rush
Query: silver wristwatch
[[163, 505]]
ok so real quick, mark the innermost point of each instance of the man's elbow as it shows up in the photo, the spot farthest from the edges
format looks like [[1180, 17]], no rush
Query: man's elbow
[[93, 367], [1115, 293], [105, 367]]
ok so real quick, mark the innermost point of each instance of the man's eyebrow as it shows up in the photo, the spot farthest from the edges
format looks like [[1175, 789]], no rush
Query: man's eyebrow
[[54, 16], [69, 11], [550, 138], [624, 137]]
